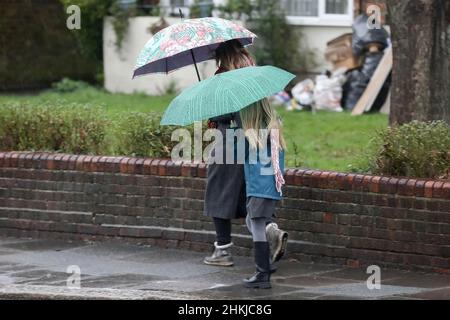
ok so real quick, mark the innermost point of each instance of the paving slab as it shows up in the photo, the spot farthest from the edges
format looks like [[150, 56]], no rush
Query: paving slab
[[37, 269]]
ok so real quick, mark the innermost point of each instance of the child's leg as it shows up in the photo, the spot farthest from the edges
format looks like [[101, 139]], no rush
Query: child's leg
[[257, 227], [261, 279]]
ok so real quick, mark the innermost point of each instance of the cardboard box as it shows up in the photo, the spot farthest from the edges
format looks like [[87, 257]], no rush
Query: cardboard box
[[339, 53]]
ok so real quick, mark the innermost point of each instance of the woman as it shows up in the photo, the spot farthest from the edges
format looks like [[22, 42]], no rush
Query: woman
[[264, 166], [225, 189]]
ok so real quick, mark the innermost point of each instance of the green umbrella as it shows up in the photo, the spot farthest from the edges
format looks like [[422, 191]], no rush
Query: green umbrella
[[225, 93]]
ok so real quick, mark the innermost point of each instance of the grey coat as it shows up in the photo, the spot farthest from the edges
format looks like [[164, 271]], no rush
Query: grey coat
[[225, 196]]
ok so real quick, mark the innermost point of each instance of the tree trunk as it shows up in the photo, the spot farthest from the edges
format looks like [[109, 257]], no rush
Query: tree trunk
[[421, 72]]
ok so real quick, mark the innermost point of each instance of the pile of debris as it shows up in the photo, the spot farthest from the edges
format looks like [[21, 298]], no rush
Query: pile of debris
[[360, 78]]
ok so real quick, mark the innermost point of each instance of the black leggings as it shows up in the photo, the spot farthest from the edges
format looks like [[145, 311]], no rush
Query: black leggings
[[223, 231]]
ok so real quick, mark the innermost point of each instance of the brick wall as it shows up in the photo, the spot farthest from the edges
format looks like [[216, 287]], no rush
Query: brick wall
[[331, 217]]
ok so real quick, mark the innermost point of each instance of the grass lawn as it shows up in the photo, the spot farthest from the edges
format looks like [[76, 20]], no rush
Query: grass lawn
[[326, 140]]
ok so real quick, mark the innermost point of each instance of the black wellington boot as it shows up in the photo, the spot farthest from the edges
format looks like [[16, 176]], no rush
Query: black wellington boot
[[261, 278]]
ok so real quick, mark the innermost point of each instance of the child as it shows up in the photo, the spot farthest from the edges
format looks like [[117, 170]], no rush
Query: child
[[263, 167]]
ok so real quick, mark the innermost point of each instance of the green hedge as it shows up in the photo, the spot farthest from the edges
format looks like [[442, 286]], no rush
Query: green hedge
[[83, 129], [417, 149], [70, 128]]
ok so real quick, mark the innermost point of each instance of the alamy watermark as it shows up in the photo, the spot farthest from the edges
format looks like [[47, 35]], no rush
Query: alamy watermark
[[74, 280], [229, 149], [374, 13], [374, 280], [73, 22]]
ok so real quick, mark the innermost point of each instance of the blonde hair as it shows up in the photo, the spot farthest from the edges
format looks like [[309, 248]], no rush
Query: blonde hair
[[261, 115], [232, 55]]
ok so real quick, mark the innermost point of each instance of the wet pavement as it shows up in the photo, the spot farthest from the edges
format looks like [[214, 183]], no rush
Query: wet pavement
[[38, 269]]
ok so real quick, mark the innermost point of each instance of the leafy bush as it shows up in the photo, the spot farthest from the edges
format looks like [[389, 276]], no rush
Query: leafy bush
[[62, 128], [278, 43], [235, 9], [416, 149], [141, 135], [67, 85]]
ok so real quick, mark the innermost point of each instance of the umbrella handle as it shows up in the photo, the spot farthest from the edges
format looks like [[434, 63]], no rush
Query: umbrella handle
[[195, 64], [192, 51]]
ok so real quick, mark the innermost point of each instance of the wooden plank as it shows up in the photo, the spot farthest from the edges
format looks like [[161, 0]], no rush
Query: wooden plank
[[376, 83], [386, 109]]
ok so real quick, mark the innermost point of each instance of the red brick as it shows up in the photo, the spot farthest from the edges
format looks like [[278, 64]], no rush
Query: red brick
[[402, 188], [162, 169], [322, 179], [384, 185], [147, 166], [332, 181], [438, 189], [94, 164], [446, 190], [2, 157], [328, 217], [21, 160], [13, 158], [307, 177], [298, 177], [139, 166], [419, 188], [29, 160], [123, 165], [374, 185], [358, 182], [154, 167], [79, 163], [131, 166], [353, 263], [87, 163], [289, 175], [201, 170], [341, 180], [186, 169], [428, 190]]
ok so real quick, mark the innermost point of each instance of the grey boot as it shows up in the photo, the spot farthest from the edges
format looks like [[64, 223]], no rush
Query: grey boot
[[278, 241], [221, 256]]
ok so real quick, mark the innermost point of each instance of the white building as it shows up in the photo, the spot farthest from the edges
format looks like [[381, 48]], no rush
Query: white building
[[319, 20]]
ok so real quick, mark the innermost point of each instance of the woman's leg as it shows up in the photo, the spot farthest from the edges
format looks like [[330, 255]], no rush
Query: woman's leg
[[223, 231], [221, 255]]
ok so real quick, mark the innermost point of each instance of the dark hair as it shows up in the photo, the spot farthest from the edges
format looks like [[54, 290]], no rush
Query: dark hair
[[232, 55]]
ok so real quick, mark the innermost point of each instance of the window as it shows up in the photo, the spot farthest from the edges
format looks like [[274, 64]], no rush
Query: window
[[319, 12], [336, 6], [178, 3], [305, 8]]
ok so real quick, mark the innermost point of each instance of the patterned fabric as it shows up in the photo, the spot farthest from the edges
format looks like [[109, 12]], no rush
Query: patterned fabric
[[203, 35], [275, 145]]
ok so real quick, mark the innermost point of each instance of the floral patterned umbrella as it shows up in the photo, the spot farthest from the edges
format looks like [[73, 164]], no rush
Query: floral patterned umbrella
[[188, 42]]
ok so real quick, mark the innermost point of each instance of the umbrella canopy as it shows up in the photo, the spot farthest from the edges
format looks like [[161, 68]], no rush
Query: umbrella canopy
[[188, 42], [225, 93]]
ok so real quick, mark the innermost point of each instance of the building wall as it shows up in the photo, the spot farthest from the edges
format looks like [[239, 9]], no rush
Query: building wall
[[119, 65], [331, 217]]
